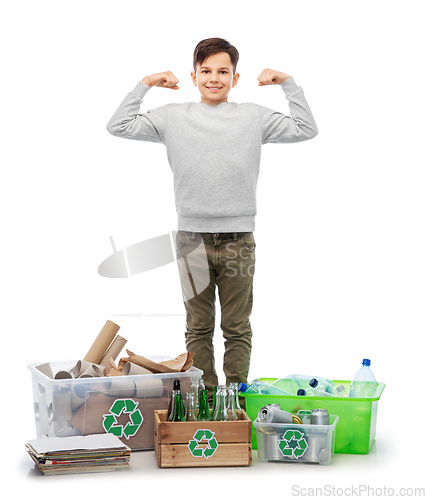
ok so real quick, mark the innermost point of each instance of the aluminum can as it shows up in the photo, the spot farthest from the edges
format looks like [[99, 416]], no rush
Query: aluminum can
[[320, 416], [273, 414]]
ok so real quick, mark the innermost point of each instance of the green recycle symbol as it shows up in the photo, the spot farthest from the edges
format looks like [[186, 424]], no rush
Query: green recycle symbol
[[293, 444], [200, 435], [120, 406]]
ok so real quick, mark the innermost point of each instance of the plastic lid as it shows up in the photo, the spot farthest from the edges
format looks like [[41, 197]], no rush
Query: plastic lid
[[366, 362], [313, 382], [242, 387], [301, 392]]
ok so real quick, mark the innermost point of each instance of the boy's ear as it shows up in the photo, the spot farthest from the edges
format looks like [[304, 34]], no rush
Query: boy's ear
[[235, 79], [194, 78]]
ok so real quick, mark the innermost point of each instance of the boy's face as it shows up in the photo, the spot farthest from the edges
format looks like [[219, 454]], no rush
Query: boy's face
[[215, 78]]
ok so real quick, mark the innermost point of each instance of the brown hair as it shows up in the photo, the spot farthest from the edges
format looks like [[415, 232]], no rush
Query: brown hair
[[210, 46]]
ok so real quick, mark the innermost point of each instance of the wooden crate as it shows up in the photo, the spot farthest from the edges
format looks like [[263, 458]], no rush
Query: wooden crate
[[202, 444]]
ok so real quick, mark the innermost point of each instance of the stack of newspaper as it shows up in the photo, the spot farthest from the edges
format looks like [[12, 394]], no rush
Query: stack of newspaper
[[79, 454]]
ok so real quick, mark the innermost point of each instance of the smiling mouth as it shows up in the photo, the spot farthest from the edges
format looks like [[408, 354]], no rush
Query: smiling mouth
[[214, 88]]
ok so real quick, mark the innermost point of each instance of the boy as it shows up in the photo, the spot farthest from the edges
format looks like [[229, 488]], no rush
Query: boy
[[213, 148]]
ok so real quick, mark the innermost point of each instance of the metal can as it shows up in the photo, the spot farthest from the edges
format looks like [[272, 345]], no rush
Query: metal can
[[320, 416], [274, 414]]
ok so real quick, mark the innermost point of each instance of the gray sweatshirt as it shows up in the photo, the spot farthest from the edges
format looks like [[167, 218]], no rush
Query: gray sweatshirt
[[214, 151]]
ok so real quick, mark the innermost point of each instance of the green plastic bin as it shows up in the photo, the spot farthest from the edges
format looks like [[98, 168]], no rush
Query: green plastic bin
[[357, 416]]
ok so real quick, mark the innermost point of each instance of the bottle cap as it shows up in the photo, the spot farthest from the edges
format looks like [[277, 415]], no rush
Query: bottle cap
[[242, 387], [176, 385], [366, 362], [301, 392], [341, 388], [313, 382]]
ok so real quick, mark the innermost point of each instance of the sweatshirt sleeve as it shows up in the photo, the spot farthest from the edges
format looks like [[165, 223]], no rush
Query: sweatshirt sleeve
[[300, 126], [129, 123]]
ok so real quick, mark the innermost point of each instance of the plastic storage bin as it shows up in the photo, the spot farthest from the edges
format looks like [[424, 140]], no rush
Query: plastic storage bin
[[357, 416], [123, 405], [296, 442]]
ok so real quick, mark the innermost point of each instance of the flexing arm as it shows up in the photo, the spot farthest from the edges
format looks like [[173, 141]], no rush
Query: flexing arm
[[127, 122], [277, 127]]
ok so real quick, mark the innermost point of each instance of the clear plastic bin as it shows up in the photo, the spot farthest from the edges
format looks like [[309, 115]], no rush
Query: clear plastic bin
[[356, 431], [123, 405], [295, 443]]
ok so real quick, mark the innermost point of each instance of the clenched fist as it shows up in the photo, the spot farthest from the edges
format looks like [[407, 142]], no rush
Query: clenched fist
[[166, 80], [272, 77]]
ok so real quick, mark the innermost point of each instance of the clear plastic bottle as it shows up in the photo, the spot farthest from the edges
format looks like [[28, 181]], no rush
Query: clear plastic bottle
[[324, 386], [292, 383], [258, 387], [364, 382], [343, 391], [314, 392]]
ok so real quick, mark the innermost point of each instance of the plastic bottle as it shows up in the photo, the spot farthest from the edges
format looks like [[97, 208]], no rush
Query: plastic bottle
[[364, 382], [292, 383], [342, 390], [324, 386], [314, 392], [258, 387]]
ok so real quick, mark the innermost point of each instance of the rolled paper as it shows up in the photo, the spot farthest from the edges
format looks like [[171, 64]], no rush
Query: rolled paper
[[62, 374], [62, 406], [119, 387], [102, 342], [150, 388], [46, 369], [80, 367], [114, 350], [93, 371], [132, 369]]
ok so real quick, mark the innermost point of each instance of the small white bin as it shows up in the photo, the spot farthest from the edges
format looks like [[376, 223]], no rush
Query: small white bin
[[296, 442], [123, 405]]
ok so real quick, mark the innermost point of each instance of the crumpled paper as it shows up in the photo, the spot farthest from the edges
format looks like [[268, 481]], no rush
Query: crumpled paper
[[180, 364]]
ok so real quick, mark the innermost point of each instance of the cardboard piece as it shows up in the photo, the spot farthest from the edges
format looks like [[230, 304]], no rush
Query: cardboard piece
[[90, 416], [180, 364]]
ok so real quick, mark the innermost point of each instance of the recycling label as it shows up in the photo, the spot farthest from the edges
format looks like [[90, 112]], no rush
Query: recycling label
[[292, 444], [203, 435], [120, 406]]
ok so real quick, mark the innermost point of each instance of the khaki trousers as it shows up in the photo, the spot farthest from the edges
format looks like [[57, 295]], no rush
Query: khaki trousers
[[225, 261]]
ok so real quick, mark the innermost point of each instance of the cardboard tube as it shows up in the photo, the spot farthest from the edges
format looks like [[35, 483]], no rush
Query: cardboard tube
[[102, 342], [62, 406], [132, 369], [80, 367], [93, 371], [62, 374], [150, 388], [78, 395], [113, 350], [119, 387], [46, 369]]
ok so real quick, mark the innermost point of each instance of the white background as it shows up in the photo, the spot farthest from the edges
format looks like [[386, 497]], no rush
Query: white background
[[340, 228]]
